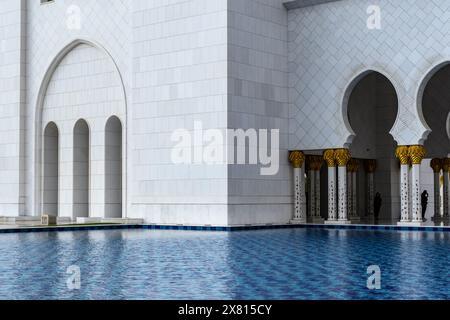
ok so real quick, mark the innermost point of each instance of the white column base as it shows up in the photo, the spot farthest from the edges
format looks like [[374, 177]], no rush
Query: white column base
[[88, 220], [410, 224], [299, 221], [338, 222]]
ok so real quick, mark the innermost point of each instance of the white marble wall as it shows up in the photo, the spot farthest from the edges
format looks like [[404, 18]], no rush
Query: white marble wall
[[258, 98], [103, 58], [179, 63], [12, 106]]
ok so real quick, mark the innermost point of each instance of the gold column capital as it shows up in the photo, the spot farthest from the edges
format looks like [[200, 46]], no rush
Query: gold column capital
[[317, 162], [402, 153], [355, 165], [370, 165], [329, 158], [342, 157], [417, 153], [350, 166], [297, 158], [436, 164], [446, 164]]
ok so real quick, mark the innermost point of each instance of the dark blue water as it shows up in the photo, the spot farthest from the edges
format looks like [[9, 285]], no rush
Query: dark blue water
[[273, 264]]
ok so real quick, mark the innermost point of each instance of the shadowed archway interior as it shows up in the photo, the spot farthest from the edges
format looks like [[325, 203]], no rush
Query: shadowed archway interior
[[435, 109], [372, 111], [81, 156], [50, 193], [113, 168]]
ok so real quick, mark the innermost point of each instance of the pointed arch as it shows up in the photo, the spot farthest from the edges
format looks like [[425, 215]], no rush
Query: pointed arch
[[38, 119]]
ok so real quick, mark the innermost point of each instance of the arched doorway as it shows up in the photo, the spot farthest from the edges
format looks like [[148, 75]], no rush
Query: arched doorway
[[372, 110], [434, 106], [50, 194], [113, 168], [81, 169], [435, 110]]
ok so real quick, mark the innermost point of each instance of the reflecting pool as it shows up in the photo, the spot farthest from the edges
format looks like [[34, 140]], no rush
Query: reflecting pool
[[268, 264]]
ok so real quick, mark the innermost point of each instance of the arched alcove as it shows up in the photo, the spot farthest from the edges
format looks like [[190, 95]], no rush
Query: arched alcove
[[372, 109], [113, 168], [81, 169], [50, 195], [82, 82]]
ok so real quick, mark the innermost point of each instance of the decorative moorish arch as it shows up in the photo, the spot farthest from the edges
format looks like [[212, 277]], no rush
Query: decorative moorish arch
[[355, 79], [340, 199], [370, 107], [37, 169], [420, 91], [433, 107]]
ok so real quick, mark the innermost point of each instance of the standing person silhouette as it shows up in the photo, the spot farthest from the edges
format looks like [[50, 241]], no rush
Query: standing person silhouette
[[424, 202], [377, 205]]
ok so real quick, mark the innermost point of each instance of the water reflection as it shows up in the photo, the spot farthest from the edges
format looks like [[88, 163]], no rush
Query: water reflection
[[269, 264]]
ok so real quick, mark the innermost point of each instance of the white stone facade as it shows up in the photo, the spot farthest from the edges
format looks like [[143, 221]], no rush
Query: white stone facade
[[92, 91]]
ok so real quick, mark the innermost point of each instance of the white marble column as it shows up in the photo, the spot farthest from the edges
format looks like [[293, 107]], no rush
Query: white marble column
[[371, 194], [315, 164], [415, 156], [446, 172], [416, 153], [402, 154], [297, 159], [436, 165], [354, 212], [437, 195], [318, 216], [342, 194], [370, 166], [415, 194], [342, 157], [349, 190], [312, 191], [331, 194], [404, 192], [331, 163]]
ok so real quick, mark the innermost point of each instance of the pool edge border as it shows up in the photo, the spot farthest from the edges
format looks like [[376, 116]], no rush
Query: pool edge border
[[223, 228]]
